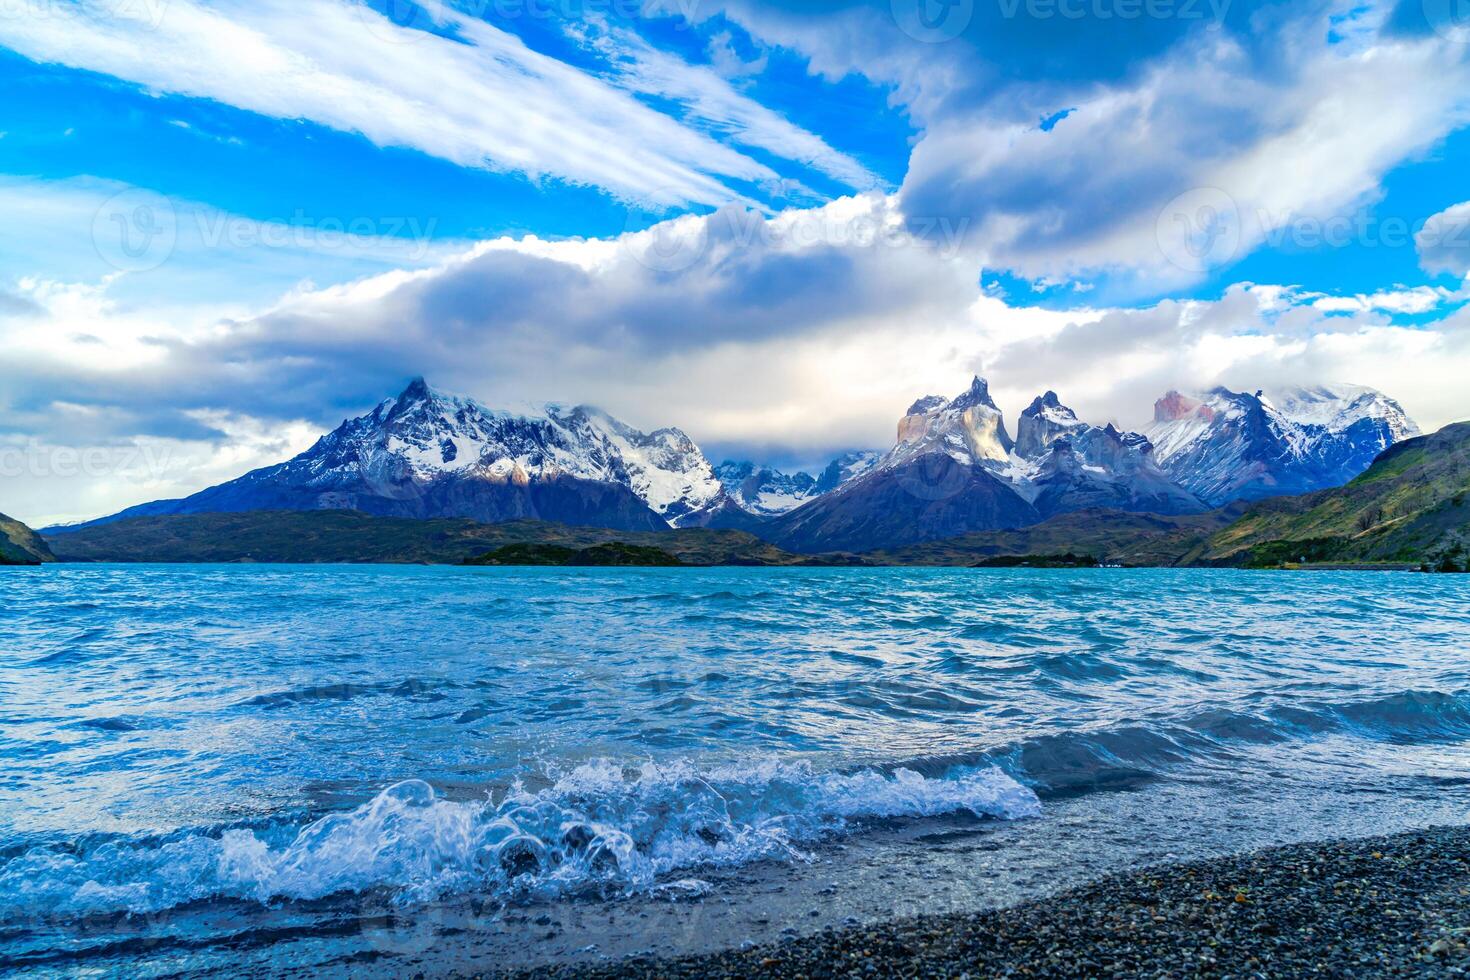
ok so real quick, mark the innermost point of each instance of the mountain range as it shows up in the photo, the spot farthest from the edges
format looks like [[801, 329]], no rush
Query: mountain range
[[953, 469], [1227, 445]]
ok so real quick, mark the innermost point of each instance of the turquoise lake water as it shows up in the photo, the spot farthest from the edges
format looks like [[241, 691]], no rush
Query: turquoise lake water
[[343, 769]]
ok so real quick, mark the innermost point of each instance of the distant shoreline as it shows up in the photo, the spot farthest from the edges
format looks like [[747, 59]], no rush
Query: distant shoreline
[[1385, 906], [350, 537]]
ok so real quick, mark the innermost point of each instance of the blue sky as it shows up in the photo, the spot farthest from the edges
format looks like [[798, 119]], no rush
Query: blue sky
[[773, 224]]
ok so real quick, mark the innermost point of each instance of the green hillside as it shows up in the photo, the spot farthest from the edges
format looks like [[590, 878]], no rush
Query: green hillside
[[1411, 506], [1105, 535], [350, 536], [19, 545], [612, 553]]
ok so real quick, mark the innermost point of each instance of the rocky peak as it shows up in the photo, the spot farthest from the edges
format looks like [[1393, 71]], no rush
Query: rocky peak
[[969, 429], [978, 394], [1043, 422], [1175, 406], [1043, 401], [927, 404]]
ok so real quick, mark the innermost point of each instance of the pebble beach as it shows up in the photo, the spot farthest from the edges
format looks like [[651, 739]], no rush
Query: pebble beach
[[1395, 906]]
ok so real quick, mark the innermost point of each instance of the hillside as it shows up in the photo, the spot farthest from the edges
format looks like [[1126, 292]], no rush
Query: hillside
[[1116, 537], [19, 545], [1411, 506], [612, 553], [350, 536]]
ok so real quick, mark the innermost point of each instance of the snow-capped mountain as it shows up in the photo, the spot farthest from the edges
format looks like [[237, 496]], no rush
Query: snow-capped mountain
[[1076, 466], [431, 454], [969, 429], [950, 472], [955, 469], [763, 490], [1225, 445], [845, 469], [1044, 421], [767, 492]]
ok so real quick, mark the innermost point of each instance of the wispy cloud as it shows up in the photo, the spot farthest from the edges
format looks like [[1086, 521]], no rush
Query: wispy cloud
[[469, 92], [712, 102]]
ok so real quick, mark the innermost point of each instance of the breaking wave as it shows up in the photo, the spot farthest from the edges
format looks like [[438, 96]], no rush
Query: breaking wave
[[600, 826]]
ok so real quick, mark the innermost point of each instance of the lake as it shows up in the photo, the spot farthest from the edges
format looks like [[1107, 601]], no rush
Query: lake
[[349, 769]]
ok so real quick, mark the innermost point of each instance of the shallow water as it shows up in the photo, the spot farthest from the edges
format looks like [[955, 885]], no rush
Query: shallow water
[[349, 769]]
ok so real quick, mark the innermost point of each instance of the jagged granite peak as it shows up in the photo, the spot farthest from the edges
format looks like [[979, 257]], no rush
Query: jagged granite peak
[[928, 403], [427, 453], [1089, 467], [1175, 406], [1227, 445], [977, 394], [969, 428], [1044, 421], [954, 470]]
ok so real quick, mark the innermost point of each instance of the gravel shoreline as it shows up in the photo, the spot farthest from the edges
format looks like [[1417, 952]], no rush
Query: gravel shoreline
[[1382, 907]]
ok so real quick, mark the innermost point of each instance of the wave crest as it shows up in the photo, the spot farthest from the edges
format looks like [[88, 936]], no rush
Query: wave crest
[[600, 825]]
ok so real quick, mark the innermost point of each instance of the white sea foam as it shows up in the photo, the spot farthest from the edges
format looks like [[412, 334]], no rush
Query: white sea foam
[[598, 825]]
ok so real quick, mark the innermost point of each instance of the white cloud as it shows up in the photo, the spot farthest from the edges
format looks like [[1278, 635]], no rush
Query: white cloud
[[1419, 299], [798, 335], [710, 100], [480, 98], [1444, 242], [51, 482], [1202, 160]]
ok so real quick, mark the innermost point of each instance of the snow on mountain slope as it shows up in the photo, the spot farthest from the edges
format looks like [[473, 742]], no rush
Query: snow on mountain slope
[[954, 469], [1044, 421], [762, 490], [845, 469], [1339, 407], [1225, 445], [970, 429], [1075, 465], [767, 492], [431, 454], [664, 468]]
